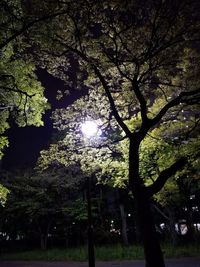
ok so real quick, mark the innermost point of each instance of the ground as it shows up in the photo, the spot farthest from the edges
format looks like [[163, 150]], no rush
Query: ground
[[187, 262]]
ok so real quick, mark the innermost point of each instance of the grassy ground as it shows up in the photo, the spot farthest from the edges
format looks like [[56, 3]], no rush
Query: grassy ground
[[105, 253]]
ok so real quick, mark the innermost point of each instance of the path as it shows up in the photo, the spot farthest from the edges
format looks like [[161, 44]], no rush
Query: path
[[184, 262]]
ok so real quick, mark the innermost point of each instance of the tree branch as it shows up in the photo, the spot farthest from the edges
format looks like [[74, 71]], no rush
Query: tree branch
[[105, 86], [161, 212], [164, 176], [142, 101], [111, 101], [184, 97], [29, 25], [17, 91]]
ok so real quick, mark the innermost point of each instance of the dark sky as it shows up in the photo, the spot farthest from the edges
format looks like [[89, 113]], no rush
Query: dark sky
[[26, 143]]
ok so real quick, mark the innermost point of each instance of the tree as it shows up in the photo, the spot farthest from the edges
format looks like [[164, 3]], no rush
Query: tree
[[157, 150], [19, 17], [37, 200], [21, 94], [140, 60], [175, 197]]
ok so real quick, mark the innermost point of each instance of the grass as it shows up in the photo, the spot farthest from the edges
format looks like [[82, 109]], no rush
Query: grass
[[190, 250], [104, 253]]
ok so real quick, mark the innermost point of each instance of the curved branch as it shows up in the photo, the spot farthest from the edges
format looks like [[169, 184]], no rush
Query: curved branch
[[111, 101], [184, 97], [164, 176], [142, 101], [105, 86]]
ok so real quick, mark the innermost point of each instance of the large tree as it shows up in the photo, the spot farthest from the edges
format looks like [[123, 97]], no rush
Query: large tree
[[140, 62], [21, 94]]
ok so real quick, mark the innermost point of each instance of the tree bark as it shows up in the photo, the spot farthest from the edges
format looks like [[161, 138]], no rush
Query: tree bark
[[189, 222], [152, 250], [43, 241], [171, 224], [44, 231], [124, 225]]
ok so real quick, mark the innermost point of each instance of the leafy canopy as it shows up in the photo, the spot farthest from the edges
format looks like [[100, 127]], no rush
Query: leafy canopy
[[140, 66]]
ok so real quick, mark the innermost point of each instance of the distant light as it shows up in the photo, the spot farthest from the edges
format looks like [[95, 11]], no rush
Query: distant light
[[129, 215], [162, 225], [89, 129]]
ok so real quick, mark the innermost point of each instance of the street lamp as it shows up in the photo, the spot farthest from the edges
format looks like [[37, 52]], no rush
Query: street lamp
[[89, 130]]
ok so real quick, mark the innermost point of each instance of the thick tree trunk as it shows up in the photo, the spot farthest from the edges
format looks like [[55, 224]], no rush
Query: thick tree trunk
[[152, 250]]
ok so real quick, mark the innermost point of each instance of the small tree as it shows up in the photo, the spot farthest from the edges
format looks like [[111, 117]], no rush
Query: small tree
[[37, 199]]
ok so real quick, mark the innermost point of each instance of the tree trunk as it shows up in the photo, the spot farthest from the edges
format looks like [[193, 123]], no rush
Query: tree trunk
[[152, 250], [124, 224], [44, 231], [43, 241], [171, 224], [122, 196], [189, 221]]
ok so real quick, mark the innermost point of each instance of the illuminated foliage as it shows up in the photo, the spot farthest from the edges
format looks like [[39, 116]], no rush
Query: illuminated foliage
[[21, 94], [139, 61], [3, 194]]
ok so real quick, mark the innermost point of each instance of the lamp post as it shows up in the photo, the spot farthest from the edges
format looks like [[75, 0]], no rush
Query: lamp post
[[90, 129], [91, 256]]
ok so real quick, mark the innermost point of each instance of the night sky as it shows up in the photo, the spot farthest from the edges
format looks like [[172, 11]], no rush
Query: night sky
[[25, 143]]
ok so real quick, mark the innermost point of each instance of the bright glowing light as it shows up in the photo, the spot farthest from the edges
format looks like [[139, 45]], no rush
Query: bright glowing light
[[89, 129]]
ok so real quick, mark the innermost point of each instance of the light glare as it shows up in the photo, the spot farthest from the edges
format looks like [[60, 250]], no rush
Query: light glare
[[89, 128]]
